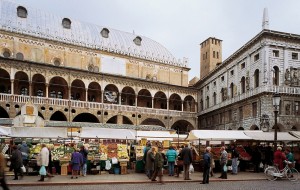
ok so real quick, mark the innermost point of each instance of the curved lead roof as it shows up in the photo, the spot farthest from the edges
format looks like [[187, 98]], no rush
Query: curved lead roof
[[48, 26]]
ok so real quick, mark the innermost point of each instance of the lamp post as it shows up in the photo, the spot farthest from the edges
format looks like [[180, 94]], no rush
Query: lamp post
[[276, 103]]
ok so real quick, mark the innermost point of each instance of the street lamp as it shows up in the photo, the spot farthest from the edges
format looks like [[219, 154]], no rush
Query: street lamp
[[276, 103]]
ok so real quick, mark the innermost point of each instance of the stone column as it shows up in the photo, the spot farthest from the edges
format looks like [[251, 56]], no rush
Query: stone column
[[102, 96], [136, 100], [168, 103], [12, 87], [181, 105], [120, 98], [152, 103], [30, 88], [86, 94], [47, 90]]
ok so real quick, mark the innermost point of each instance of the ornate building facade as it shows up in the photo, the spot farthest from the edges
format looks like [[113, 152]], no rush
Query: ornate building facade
[[237, 94], [79, 72]]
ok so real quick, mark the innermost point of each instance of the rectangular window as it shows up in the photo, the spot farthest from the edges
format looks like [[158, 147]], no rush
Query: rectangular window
[[241, 113], [207, 88], [243, 65], [295, 56], [215, 83], [254, 109], [256, 57], [232, 72], [297, 108], [275, 53], [222, 78], [217, 55], [203, 56], [214, 54], [206, 55]]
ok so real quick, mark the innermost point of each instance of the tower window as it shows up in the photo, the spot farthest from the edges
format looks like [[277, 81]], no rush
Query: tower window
[[66, 23], [21, 12], [217, 55], [214, 54]]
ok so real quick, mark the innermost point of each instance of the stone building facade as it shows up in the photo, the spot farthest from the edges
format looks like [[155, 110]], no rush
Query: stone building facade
[[79, 72], [237, 94]]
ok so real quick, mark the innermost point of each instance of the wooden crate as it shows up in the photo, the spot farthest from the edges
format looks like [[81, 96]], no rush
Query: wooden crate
[[64, 170], [123, 170]]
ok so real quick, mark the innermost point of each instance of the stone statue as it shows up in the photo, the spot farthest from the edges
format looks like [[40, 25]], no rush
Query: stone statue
[[287, 75]]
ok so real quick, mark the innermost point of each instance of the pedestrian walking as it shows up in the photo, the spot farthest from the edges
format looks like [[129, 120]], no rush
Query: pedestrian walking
[[16, 162], [234, 159], [43, 162], [279, 157], [25, 153], [150, 162], [158, 165], [171, 158], [223, 163], [77, 161], [206, 167], [84, 152], [256, 159], [2, 172], [187, 158]]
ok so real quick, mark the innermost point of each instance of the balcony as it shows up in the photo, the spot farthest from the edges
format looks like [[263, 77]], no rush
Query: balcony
[[92, 105], [253, 92]]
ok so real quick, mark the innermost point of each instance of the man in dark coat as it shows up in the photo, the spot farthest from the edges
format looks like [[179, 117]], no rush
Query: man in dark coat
[[206, 168], [187, 158], [158, 165], [16, 162]]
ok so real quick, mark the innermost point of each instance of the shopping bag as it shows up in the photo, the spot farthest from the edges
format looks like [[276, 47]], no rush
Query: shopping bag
[[225, 168], [229, 168], [191, 170], [42, 170], [23, 169]]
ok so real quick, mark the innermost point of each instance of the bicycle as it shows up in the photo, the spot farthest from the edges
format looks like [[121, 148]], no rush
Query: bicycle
[[272, 172]]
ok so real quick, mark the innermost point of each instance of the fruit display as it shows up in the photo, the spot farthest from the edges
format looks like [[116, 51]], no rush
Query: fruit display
[[122, 151]]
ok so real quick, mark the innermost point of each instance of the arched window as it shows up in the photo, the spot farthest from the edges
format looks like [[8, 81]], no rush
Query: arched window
[[256, 78], [21, 12], [275, 76], [215, 98], [6, 53], [201, 105], [231, 90], [207, 102], [243, 85], [20, 56]]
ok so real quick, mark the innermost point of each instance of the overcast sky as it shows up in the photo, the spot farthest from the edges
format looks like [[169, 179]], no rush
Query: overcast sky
[[181, 25]]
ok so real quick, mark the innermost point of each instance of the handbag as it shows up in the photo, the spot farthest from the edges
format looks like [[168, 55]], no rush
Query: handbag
[[225, 168], [23, 169], [42, 170]]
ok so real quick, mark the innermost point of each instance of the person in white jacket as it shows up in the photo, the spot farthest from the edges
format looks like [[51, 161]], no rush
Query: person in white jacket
[[44, 159]]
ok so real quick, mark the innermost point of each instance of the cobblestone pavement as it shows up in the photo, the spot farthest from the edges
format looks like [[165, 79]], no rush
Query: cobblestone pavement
[[230, 185]]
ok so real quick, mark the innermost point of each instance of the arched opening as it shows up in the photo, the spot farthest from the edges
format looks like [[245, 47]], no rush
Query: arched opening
[[113, 120], [256, 78], [215, 98], [207, 101], [128, 96], [254, 127], [175, 102], [231, 90], [39, 86], [189, 104], [3, 113], [243, 85], [78, 90], [280, 127], [94, 92], [58, 116], [160, 100], [86, 117], [58, 88], [275, 76], [153, 121], [111, 94], [21, 83], [201, 105], [241, 128], [182, 126], [41, 115], [144, 98], [126, 120], [5, 82]]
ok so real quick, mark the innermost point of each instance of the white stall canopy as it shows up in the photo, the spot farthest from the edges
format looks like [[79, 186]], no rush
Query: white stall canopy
[[269, 136], [5, 131], [295, 134], [39, 132], [154, 135], [106, 133], [217, 135]]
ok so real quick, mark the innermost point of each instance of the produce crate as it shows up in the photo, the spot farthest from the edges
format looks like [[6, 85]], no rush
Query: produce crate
[[64, 169], [123, 170]]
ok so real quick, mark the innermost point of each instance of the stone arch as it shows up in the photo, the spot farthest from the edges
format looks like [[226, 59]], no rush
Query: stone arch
[[160, 100], [144, 98], [111, 94], [86, 117], [78, 90], [94, 92], [296, 127], [175, 102], [126, 120], [254, 127], [39, 85], [128, 96], [41, 115], [280, 127], [113, 120], [5, 85], [152, 121], [183, 126], [58, 88], [21, 83], [241, 128], [58, 116], [189, 104], [3, 113]]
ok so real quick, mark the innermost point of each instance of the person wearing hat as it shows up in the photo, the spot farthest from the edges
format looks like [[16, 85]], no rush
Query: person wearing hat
[[158, 165]]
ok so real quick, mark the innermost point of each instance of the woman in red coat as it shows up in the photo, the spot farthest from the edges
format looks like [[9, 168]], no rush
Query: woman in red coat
[[279, 157]]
